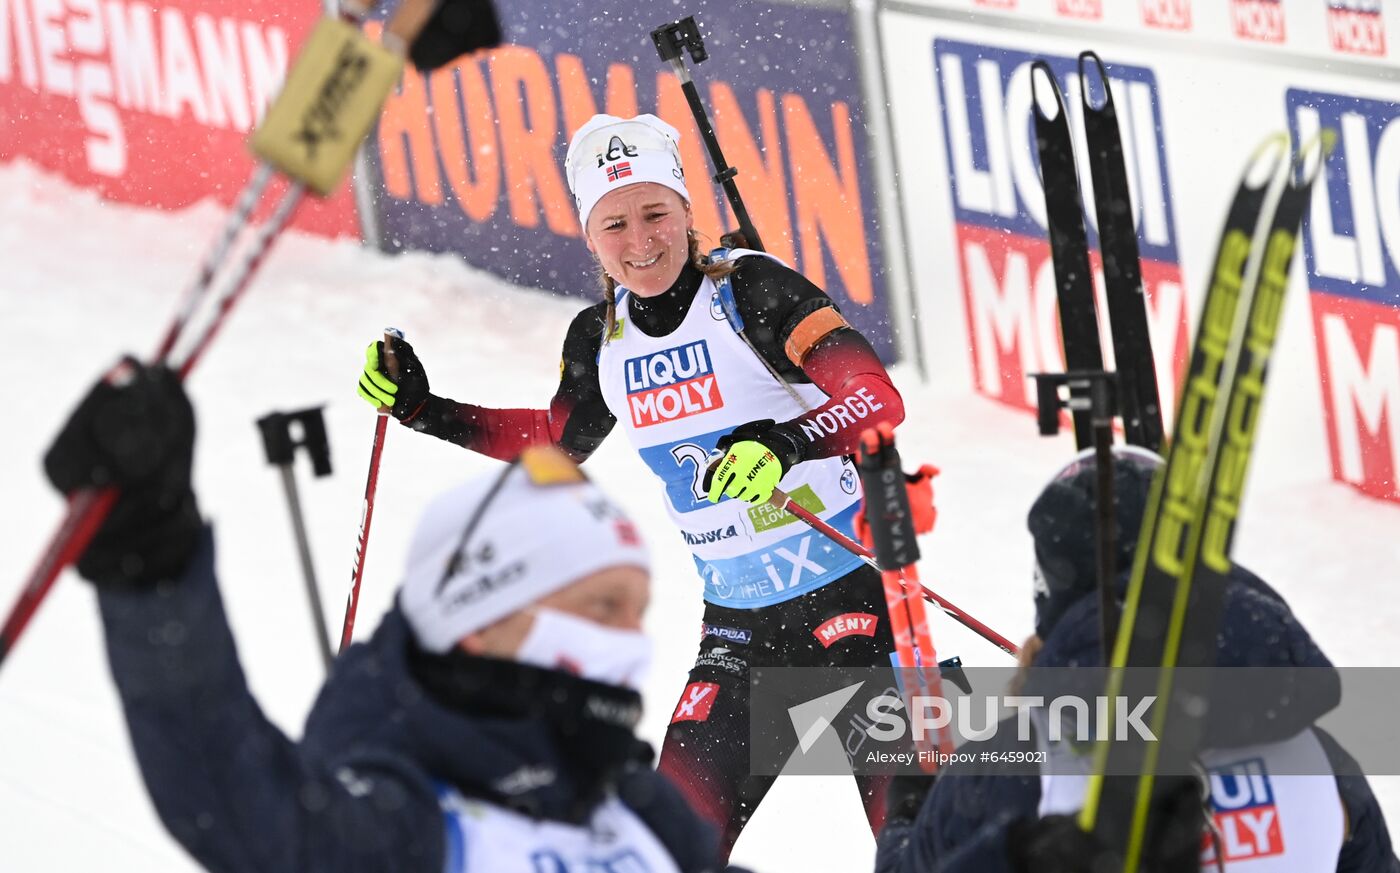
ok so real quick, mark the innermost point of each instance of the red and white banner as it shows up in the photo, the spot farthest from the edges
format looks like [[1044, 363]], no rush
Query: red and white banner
[[150, 103]]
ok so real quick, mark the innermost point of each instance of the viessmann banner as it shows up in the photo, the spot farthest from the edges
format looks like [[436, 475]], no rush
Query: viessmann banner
[[470, 157], [150, 103]]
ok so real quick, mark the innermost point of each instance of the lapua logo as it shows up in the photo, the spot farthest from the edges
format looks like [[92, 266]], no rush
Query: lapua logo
[[672, 384], [1246, 814], [1087, 9], [1356, 27], [1260, 20], [1000, 218], [1352, 242], [1167, 14]]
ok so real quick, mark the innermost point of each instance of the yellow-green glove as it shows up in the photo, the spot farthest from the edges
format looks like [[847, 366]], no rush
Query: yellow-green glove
[[406, 395], [750, 461]]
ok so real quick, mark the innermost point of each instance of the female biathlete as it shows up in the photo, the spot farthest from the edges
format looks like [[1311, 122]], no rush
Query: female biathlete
[[784, 401]]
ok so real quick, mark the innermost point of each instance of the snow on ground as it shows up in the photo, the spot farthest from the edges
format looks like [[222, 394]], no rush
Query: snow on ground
[[85, 281]]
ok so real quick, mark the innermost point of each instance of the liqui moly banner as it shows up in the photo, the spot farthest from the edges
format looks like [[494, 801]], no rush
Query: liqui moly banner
[[1356, 27], [470, 157], [150, 102], [1008, 278], [1352, 243], [1260, 20]]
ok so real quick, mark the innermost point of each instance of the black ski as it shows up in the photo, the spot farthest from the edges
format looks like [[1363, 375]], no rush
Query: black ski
[[1176, 592], [1138, 400], [1069, 244]]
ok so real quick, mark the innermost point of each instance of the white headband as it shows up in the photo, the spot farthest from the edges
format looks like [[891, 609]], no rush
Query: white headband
[[609, 153], [531, 541]]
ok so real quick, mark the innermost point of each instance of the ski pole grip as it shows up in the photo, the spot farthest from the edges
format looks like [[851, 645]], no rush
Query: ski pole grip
[[887, 509], [391, 360]]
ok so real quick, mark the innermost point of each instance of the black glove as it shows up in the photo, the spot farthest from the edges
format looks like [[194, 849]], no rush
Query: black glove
[[404, 395], [1056, 844], [135, 433], [456, 28], [905, 795]]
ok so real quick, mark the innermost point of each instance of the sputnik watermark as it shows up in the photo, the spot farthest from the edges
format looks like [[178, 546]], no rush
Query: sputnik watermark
[[1066, 717], [943, 759]]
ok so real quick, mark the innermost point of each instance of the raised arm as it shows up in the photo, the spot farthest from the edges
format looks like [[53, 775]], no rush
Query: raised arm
[[803, 337], [577, 419], [229, 786]]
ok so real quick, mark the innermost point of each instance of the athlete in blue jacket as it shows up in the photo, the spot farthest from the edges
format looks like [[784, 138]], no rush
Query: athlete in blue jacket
[[976, 820], [487, 726]]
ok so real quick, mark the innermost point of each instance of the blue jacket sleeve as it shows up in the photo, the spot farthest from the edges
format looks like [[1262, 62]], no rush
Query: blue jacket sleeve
[[1367, 848], [963, 824], [229, 786]]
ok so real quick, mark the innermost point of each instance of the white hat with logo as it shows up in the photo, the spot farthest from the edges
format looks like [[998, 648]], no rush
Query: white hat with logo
[[497, 543], [609, 153]]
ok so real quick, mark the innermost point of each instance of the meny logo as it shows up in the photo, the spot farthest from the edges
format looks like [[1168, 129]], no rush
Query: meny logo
[[999, 210], [1352, 242], [671, 384], [1356, 26], [1246, 815], [845, 625]]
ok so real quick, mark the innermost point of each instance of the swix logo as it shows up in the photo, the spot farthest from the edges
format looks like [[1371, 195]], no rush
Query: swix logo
[[319, 121], [846, 625], [1352, 242], [696, 701], [1088, 9], [1258, 19], [1166, 14], [999, 212], [671, 385], [997, 4], [119, 57], [1246, 814], [1356, 27]]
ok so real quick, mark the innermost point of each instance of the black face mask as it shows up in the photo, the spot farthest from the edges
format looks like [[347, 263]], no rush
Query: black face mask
[[591, 723]]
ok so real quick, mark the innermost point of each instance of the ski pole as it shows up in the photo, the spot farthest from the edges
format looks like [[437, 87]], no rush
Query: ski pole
[[897, 549], [281, 453], [352, 602], [87, 509], [782, 500], [671, 40]]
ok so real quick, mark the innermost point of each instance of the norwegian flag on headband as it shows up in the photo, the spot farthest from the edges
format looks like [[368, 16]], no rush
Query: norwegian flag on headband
[[618, 171]]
